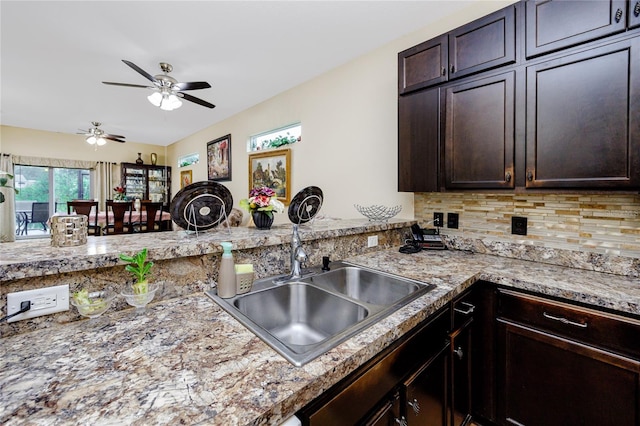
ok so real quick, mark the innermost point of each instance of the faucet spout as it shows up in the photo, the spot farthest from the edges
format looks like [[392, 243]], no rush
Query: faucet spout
[[298, 257]]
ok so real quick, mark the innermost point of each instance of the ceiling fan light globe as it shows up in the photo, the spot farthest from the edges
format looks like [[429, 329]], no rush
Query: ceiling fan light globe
[[91, 140], [155, 98], [101, 141]]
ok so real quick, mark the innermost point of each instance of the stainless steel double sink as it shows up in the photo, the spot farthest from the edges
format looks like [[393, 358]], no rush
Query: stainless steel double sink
[[304, 318]]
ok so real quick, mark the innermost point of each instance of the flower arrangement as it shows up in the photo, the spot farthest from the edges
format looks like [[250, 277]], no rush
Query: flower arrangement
[[262, 199], [119, 193]]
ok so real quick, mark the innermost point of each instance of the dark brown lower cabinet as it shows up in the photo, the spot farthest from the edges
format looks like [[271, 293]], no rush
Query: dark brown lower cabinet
[[378, 393], [425, 391], [552, 381], [557, 368]]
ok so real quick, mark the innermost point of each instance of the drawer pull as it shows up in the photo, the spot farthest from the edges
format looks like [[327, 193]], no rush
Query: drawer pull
[[415, 405], [468, 308], [564, 320], [401, 421]]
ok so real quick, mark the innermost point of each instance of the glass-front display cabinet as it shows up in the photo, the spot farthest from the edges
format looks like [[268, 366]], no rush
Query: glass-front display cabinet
[[147, 182]]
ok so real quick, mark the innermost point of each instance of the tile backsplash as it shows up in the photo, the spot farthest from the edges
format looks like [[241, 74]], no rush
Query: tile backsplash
[[598, 223]]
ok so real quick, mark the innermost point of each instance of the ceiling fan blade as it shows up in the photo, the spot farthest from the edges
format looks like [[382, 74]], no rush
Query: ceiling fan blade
[[140, 71], [112, 139], [193, 85], [127, 85], [106, 135], [195, 100]]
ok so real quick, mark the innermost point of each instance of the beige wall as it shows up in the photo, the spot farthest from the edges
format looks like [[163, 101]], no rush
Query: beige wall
[[38, 143], [349, 129]]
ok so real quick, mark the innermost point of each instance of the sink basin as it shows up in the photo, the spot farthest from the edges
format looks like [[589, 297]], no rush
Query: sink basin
[[304, 318], [366, 285], [299, 314]]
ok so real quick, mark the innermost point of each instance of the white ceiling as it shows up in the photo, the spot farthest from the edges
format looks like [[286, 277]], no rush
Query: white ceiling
[[55, 54]]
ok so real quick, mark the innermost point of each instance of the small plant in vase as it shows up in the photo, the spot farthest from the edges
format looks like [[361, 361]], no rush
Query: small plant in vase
[[141, 291], [261, 204]]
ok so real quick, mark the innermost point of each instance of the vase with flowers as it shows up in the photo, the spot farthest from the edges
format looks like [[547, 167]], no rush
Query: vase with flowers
[[262, 202], [119, 193]]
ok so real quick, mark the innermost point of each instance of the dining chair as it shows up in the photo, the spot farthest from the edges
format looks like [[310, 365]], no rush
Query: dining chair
[[39, 214], [154, 216], [85, 207], [119, 222]]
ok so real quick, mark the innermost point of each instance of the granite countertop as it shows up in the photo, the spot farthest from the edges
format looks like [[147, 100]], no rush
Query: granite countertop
[[34, 258], [186, 361]]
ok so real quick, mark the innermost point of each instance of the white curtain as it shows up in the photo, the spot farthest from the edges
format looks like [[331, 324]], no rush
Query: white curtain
[[7, 209], [107, 177]]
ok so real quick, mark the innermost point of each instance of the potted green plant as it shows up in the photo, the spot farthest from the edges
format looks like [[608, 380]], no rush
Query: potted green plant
[[141, 270]]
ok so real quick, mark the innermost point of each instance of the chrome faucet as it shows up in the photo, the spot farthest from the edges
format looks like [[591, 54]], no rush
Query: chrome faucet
[[298, 257]]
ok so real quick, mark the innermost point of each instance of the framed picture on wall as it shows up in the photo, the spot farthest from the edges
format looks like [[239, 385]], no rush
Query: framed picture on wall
[[219, 158], [186, 178], [272, 169]]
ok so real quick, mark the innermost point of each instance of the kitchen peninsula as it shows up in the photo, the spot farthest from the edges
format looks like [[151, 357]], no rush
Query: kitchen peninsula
[[187, 361]]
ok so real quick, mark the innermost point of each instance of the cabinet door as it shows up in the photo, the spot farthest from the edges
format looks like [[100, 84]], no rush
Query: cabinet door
[[426, 393], [483, 44], [134, 179], [419, 141], [423, 65], [552, 381], [461, 374], [634, 14], [479, 135], [583, 119], [386, 415], [159, 184], [557, 24]]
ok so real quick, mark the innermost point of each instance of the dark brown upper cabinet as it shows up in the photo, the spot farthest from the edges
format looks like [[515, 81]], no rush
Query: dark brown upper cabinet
[[480, 133], [634, 14], [423, 65], [557, 24], [483, 44], [419, 141], [583, 119]]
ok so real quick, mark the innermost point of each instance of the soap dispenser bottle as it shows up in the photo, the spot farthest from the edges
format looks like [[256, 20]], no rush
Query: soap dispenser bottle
[[227, 273]]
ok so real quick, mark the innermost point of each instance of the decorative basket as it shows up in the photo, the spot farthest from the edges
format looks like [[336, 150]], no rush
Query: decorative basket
[[68, 230], [378, 213]]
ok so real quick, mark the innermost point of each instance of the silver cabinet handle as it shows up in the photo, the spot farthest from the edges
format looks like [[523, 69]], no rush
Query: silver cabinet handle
[[564, 320], [401, 421], [459, 352], [415, 405], [468, 308]]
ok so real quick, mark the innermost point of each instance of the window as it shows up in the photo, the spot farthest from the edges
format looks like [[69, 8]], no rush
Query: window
[[52, 185], [275, 138]]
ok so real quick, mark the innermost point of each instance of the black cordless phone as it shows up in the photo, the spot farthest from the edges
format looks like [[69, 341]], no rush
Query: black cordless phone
[[426, 240]]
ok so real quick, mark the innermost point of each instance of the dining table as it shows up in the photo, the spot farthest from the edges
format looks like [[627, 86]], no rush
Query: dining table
[[136, 217]]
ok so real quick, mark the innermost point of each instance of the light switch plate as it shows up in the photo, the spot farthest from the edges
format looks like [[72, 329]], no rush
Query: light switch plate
[[44, 301], [372, 241]]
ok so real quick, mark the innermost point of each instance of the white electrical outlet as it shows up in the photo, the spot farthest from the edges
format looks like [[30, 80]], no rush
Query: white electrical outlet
[[44, 301], [372, 241]]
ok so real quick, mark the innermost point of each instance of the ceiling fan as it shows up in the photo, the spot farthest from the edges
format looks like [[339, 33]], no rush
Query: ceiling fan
[[97, 136], [167, 91]]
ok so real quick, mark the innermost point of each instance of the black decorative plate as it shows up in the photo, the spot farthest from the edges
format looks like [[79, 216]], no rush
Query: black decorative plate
[[305, 205], [201, 205]]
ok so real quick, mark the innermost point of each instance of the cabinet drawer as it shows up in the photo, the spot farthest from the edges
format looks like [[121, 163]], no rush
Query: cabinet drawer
[[607, 331]]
